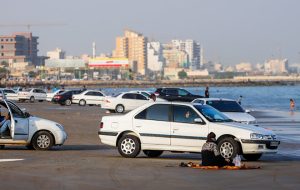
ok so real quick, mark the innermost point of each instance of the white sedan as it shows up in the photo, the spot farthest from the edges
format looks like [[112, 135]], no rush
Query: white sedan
[[32, 94], [9, 94], [89, 97], [230, 108], [183, 127], [34, 132], [125, 101], [50, 95]]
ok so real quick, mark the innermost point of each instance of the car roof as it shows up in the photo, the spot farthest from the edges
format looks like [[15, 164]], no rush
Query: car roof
[[214, 99]]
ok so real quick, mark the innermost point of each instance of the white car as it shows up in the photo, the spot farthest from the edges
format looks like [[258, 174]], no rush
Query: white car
[[89, 97], [50, 95], [183, 127], [230, 108], [125, 101], [34, 132], [32, 94], [9, 94]]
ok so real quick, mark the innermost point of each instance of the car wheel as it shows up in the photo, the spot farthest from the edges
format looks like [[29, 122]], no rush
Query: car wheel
[[42, 140], [32, 99], [68, 102], [120, 108], [82, 102], [2, 146], [228, 147], [153, 153], [129, 146], [252, 157]]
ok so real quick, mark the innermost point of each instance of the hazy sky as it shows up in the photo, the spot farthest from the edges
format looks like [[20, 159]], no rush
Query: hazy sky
[[230, 31]]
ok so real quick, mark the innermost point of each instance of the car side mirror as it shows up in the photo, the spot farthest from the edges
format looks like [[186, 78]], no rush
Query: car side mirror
[[198, 120], [26, 114]]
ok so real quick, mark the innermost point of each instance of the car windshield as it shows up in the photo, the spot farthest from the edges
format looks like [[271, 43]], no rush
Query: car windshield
[[225, 106], [116, 95], [146, 94], [211, 114], [27, 89]]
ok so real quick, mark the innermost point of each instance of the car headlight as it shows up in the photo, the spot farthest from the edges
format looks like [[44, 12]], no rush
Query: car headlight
[[60, 126], [256, 136]]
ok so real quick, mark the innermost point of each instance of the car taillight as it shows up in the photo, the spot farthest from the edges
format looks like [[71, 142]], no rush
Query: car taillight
[[101, 125], [57, 97]]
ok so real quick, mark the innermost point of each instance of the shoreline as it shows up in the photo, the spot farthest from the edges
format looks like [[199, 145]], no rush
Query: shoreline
[[157, 83]]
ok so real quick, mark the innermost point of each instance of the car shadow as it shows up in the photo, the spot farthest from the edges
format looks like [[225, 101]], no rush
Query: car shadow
[[63, 148]]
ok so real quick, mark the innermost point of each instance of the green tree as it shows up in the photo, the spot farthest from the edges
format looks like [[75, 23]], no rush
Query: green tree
[[182, 74], [32, 74]]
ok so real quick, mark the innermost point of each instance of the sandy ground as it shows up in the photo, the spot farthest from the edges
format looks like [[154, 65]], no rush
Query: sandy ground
[[84, 163]]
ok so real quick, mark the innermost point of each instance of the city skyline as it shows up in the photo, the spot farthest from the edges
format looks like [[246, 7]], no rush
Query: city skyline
[[230, 32]]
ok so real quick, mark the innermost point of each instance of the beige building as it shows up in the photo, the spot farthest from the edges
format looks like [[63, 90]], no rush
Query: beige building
[[276, 66], [56, 54], [133, 46], [243, 67], [175, 58]]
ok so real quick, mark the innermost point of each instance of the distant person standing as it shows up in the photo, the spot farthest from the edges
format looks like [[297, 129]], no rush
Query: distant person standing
[[240, 100], [153, 97], [292, 105], [84, 88], [206, 92]]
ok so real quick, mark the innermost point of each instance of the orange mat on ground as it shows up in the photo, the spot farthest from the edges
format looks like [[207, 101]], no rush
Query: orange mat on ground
[[243, 167]]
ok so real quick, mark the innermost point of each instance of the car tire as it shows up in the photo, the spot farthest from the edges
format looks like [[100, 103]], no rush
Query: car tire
[[42, 140], [153, 153], [129, 146], [68, 102], [228, 147], [252, 157], [120, 108], [32, 99], [82, 102]]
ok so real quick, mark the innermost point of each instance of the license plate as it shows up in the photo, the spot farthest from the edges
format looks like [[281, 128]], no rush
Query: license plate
[[274, 144]]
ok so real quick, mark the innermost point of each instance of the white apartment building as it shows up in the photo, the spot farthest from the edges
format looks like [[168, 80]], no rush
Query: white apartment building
[[276, 66], [56, 54], [155, 59], [243, 67]]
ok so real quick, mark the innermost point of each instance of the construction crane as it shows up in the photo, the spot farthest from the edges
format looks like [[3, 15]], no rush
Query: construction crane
[[30, 25]]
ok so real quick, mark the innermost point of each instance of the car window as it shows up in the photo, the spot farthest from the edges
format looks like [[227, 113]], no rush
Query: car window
[[90, 93], [211, 114], [16, 111], [171, 92], [198, 101], [146, 94], [184, 114], [140, 97], [129, 96], [9, 91], [182, 92], [76, 92], [35, 91], [157, 112], [226, 106], [98, 94]]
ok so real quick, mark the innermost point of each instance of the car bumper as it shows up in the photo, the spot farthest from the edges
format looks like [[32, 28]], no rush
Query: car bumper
[[75, 101], [259, 146], [23, 97], [108, 138], [60, 137]]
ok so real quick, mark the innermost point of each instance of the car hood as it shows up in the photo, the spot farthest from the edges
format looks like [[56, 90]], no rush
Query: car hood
[[239, 116], [252, 128]]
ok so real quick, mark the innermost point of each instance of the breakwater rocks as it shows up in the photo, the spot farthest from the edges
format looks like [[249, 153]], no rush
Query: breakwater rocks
[[147, 84]]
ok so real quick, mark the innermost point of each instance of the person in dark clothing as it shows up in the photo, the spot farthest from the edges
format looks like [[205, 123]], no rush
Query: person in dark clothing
[[206, 92], [211, 155]]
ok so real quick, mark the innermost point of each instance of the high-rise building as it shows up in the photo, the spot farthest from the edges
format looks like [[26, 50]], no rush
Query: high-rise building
[[56, 54], [192, 48], [243, 67], [276, 66], [19, 47], [133, 46], [155, 59], [174, 57]]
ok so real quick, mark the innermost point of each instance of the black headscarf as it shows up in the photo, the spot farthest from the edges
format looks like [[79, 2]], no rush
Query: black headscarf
[[211, 137]]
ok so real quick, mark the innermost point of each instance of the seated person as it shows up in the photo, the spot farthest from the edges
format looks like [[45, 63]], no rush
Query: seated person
[[211, 155], [5, 124]]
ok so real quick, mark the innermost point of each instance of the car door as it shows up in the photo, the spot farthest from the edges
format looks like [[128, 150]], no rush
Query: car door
[[99, 98], [153, 125], [89, 97], [10, 94], [128, 100], [19, 123], [185, 132], [36, 94]]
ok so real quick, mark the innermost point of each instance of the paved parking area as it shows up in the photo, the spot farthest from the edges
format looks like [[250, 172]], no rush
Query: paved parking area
[[84, 163]]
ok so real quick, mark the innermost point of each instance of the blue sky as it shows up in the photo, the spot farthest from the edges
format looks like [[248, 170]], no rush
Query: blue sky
[[231, 31]]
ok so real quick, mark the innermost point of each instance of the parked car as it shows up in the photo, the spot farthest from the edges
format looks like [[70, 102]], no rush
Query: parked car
[[183, 127], [32, 94], [50, 95], [125, 101], [9, 94], [89, 97], [176, 94], [17, 89], [65, 98], [230, 108], [34, 132]]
